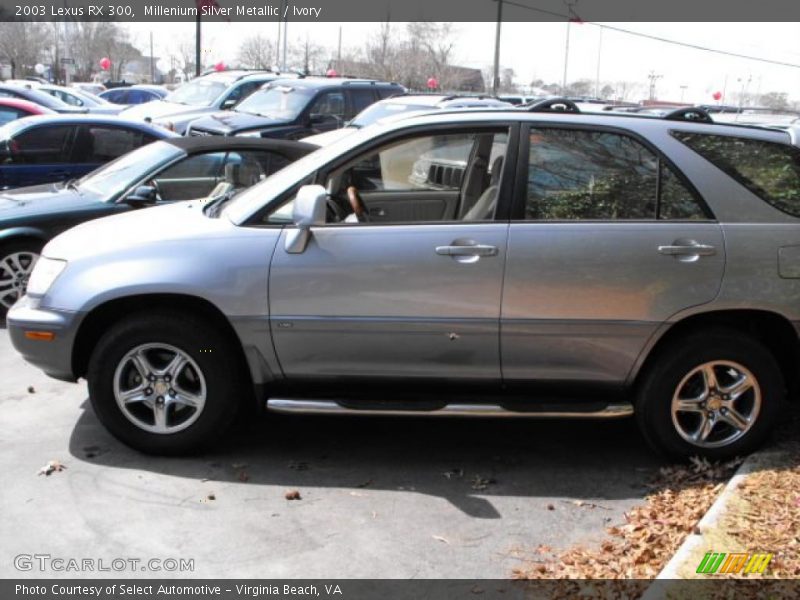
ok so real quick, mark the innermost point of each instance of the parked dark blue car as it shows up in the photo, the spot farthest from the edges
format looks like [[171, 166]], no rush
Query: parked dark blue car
[[47, 149]]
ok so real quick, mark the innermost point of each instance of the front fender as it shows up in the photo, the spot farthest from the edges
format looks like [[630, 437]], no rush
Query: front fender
[[20, 232]]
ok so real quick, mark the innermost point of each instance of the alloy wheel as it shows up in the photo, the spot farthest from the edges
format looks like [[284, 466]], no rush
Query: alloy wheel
[[159, 388], [715, 404], [15, 270]]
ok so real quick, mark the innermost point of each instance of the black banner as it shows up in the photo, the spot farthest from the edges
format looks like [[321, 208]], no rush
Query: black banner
[[399, 10], [370, 589]]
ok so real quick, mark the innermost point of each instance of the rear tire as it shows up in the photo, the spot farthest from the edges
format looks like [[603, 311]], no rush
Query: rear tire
[[714, 394], [165, 383], [16, 263]]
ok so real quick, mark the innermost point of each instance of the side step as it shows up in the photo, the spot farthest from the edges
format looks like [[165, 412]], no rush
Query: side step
[[329, 407]]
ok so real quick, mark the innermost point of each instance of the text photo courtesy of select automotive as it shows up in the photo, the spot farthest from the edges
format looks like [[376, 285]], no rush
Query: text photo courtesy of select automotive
[[501, 300]]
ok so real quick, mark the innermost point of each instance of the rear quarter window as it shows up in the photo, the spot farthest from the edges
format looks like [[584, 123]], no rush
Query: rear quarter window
[[768, 169]]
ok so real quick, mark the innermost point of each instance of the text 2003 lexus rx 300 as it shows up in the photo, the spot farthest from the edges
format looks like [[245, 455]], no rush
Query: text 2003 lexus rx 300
[[519, 263]]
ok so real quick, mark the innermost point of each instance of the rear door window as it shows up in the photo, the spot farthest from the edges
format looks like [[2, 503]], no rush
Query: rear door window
[[599, 175], [43, 145], [101, 144], [768, 169], [359, 100]]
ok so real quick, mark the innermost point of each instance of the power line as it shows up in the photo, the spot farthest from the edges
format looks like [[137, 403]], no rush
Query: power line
[[655, 37]]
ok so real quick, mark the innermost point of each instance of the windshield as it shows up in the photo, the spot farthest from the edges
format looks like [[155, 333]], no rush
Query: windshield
[[378, 111], [200, 92], [278, 102], [116, 176]]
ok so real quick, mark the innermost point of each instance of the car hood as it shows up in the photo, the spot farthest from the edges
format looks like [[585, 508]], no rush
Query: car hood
[[160, 109], [229, 120], [135, 229], [41, 199], [323, 139]]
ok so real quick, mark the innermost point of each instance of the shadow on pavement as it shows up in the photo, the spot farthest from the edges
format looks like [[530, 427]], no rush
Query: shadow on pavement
[[461, 460]]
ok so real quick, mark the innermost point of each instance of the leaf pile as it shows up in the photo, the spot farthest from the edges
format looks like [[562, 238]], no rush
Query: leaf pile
[[640, 547], [768, 517]]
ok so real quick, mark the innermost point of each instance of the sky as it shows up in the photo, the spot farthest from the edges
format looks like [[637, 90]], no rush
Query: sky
[[537, 51]]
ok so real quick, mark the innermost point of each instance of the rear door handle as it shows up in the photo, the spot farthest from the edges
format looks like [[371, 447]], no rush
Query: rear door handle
[[688, 250], [474, 250]]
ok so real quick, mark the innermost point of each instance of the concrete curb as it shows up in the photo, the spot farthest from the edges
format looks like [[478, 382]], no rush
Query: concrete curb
[[706, 524]]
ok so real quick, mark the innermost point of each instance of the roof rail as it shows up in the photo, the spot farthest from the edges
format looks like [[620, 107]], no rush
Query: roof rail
[[554, 105], [691, 113]]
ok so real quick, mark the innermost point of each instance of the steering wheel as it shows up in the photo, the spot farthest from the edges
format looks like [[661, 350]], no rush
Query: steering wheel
[[357, 204], [157, 190]]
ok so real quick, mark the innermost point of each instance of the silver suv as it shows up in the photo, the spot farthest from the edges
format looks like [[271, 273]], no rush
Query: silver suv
[[521, 263]]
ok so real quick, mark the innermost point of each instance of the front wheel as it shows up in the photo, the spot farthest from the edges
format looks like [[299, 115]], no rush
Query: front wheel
[[165, 383], [17, 260], [715, 395]]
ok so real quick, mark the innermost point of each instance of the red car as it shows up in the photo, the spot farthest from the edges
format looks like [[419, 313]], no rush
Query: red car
[[14, 108]]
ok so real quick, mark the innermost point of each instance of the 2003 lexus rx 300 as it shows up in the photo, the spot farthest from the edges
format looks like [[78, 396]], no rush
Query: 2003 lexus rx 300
[[517, 263]]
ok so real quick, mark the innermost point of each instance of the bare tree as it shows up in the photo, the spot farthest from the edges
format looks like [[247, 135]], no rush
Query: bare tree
[[775, 100], [307, 56], [256, 52], [21, 45]]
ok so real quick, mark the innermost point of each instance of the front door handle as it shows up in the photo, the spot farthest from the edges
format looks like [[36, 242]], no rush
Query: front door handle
[[691, 249], [471, 250]]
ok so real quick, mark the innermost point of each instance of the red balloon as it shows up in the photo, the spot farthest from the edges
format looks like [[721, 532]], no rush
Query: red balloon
[[332, 73], [105, 63], [717, 96], [433, 83], [220, 66]]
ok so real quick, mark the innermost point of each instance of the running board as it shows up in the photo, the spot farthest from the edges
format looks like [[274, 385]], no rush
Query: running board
[[328, 407]]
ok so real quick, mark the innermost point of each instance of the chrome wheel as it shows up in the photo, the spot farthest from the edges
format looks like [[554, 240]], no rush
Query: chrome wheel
[[159, 388], [716, 404], [15, 270]]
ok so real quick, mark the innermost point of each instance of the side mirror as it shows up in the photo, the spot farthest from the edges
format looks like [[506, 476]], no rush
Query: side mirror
[[321, 119], [229, 103], [142, 196], [310, 207]]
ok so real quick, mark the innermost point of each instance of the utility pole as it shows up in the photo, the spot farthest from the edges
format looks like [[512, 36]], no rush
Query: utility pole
[[197, 46], [152, 61], [570, 18], [597, 74], [278, 44], [566, 61], [653, 77], [496, 72], [285, 41]]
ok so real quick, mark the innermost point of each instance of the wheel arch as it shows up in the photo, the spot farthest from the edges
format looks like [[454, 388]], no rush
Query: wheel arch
[[103, 316], [772, 329], [18, 234]]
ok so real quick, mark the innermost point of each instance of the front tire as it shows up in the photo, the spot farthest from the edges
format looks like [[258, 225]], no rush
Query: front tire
[[715, 394], [165, 383]]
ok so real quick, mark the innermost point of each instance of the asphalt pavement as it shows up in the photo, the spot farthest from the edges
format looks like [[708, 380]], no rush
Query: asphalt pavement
[[379, 497]]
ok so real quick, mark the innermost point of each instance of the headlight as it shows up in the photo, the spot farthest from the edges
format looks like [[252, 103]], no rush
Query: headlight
[[249, 134], [44, 274]]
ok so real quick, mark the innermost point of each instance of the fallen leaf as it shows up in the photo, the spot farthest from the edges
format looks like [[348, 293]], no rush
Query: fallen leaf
[[53, 466], [292, 495], [31, 389]]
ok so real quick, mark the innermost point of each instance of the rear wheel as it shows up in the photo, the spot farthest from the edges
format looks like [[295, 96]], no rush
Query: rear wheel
[[17, 260], [715, 394], [165, 383]]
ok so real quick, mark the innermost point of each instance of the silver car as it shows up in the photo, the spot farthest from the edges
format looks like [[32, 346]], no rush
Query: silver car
[[517, 263]]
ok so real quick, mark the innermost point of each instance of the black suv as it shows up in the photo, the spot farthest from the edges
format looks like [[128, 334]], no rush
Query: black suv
[[295, 108]]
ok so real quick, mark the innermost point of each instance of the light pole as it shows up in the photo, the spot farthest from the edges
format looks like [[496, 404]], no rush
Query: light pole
[[570, 18], [597, 74], [496, 73], [653, 77]]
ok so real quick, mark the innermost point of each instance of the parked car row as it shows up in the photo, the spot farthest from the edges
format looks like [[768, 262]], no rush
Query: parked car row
[[492, 261]]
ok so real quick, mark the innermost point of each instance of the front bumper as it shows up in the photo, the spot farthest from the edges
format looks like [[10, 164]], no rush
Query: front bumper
[[54, 357]]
